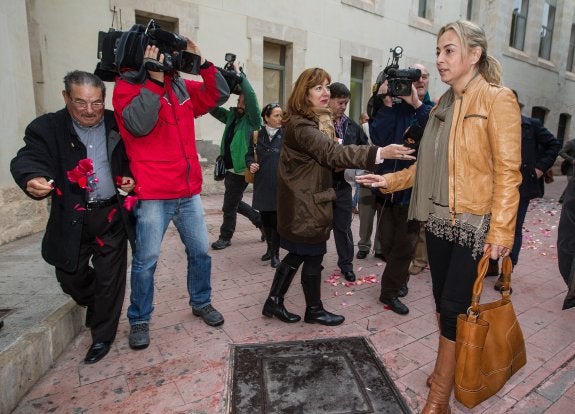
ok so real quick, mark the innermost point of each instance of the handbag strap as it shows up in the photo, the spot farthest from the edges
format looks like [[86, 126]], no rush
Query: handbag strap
[[255, 139], [506, 269]]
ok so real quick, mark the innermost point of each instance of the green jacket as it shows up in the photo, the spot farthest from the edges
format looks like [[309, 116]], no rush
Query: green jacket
[[249, 122]]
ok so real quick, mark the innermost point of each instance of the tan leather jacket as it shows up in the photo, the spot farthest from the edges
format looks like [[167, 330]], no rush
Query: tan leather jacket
[[484, 158]]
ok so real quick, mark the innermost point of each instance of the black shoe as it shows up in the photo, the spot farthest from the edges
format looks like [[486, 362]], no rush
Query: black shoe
[[96, 352], [396, 305], [139, 337], [210, 315], [380, 256], [317, 314], [349, 276], [361, 254], [403, 291], [221, 244], [274, 306], [267, 255]]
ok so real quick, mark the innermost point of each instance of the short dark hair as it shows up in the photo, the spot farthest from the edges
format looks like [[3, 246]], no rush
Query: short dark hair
[[79, 77], [339, 90]]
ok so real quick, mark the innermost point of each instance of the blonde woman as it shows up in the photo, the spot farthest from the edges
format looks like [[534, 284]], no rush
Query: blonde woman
[[465, 183]]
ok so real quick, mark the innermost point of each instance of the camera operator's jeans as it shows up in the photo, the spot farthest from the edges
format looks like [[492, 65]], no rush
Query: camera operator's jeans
[[153, 218]]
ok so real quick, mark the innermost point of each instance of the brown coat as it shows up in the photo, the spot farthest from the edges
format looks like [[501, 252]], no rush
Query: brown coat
[[484, 159], [305, 186]]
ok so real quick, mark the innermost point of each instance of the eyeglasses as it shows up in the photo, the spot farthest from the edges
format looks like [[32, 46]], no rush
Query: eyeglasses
[[78, 103]]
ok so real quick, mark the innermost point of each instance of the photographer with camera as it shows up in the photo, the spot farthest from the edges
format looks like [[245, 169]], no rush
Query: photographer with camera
[[391, 118], [240, 122], [156, 119]]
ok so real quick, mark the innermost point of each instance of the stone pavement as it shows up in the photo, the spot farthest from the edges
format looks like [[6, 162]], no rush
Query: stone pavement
[[186, 368]]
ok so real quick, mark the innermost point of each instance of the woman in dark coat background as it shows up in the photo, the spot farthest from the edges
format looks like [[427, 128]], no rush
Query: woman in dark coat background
[[267, 150], [310, 152]]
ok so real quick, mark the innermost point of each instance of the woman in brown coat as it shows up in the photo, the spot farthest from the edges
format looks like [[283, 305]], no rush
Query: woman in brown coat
[[309, 153]]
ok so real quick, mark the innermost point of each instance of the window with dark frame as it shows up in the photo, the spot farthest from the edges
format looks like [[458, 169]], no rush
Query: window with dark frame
[[422, 9], [518, 24], [547, 26], [563, 126], [469, 9], [274, 73], [571, 51], [356, 85], [166, 23], [539, 113]]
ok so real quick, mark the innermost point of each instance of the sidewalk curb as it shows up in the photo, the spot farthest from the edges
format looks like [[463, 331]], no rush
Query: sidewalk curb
[[27, 359]]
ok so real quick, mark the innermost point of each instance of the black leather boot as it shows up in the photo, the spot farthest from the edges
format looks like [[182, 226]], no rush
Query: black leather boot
[[268, 254], [314, 312], [274, 305], [275, 248]]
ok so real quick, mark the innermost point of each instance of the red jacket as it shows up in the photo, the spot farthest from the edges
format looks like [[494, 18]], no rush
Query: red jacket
[[157, 125]]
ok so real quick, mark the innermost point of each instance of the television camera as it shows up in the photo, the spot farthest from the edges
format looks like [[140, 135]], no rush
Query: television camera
[[399, 81], [118, 51]]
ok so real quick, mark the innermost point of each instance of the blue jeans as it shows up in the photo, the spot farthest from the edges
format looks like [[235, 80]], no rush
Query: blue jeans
[[152, 220]]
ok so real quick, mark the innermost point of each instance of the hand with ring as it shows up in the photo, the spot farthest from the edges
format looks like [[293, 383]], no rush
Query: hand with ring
[[396, 151]]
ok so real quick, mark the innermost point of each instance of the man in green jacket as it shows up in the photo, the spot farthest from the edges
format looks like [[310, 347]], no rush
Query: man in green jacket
[[240, 123]]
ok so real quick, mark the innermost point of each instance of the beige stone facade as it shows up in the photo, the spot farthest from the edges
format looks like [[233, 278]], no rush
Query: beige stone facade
[[43, 39]]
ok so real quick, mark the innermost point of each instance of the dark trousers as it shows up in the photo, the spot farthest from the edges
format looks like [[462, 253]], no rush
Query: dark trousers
[[269, 219], [521, 213], [102, 286], [342, 216], [235, 186], [398, 238], [453, 272], [367, 206]]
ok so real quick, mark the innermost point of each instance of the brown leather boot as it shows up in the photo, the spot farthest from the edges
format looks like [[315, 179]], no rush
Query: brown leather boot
[[443, 379]]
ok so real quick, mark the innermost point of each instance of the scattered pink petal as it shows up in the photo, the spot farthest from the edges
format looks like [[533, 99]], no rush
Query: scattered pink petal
[[58, 191], [359, 269], [349, 293], [78, 207], [99, 241]]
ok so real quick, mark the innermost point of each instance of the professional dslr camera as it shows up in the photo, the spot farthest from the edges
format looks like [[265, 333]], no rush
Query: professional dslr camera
[[125, 50], [399, 81], [233, 80]]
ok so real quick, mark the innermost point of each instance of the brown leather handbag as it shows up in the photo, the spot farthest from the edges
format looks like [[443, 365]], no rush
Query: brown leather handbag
[[248, 175], [489, 343]]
